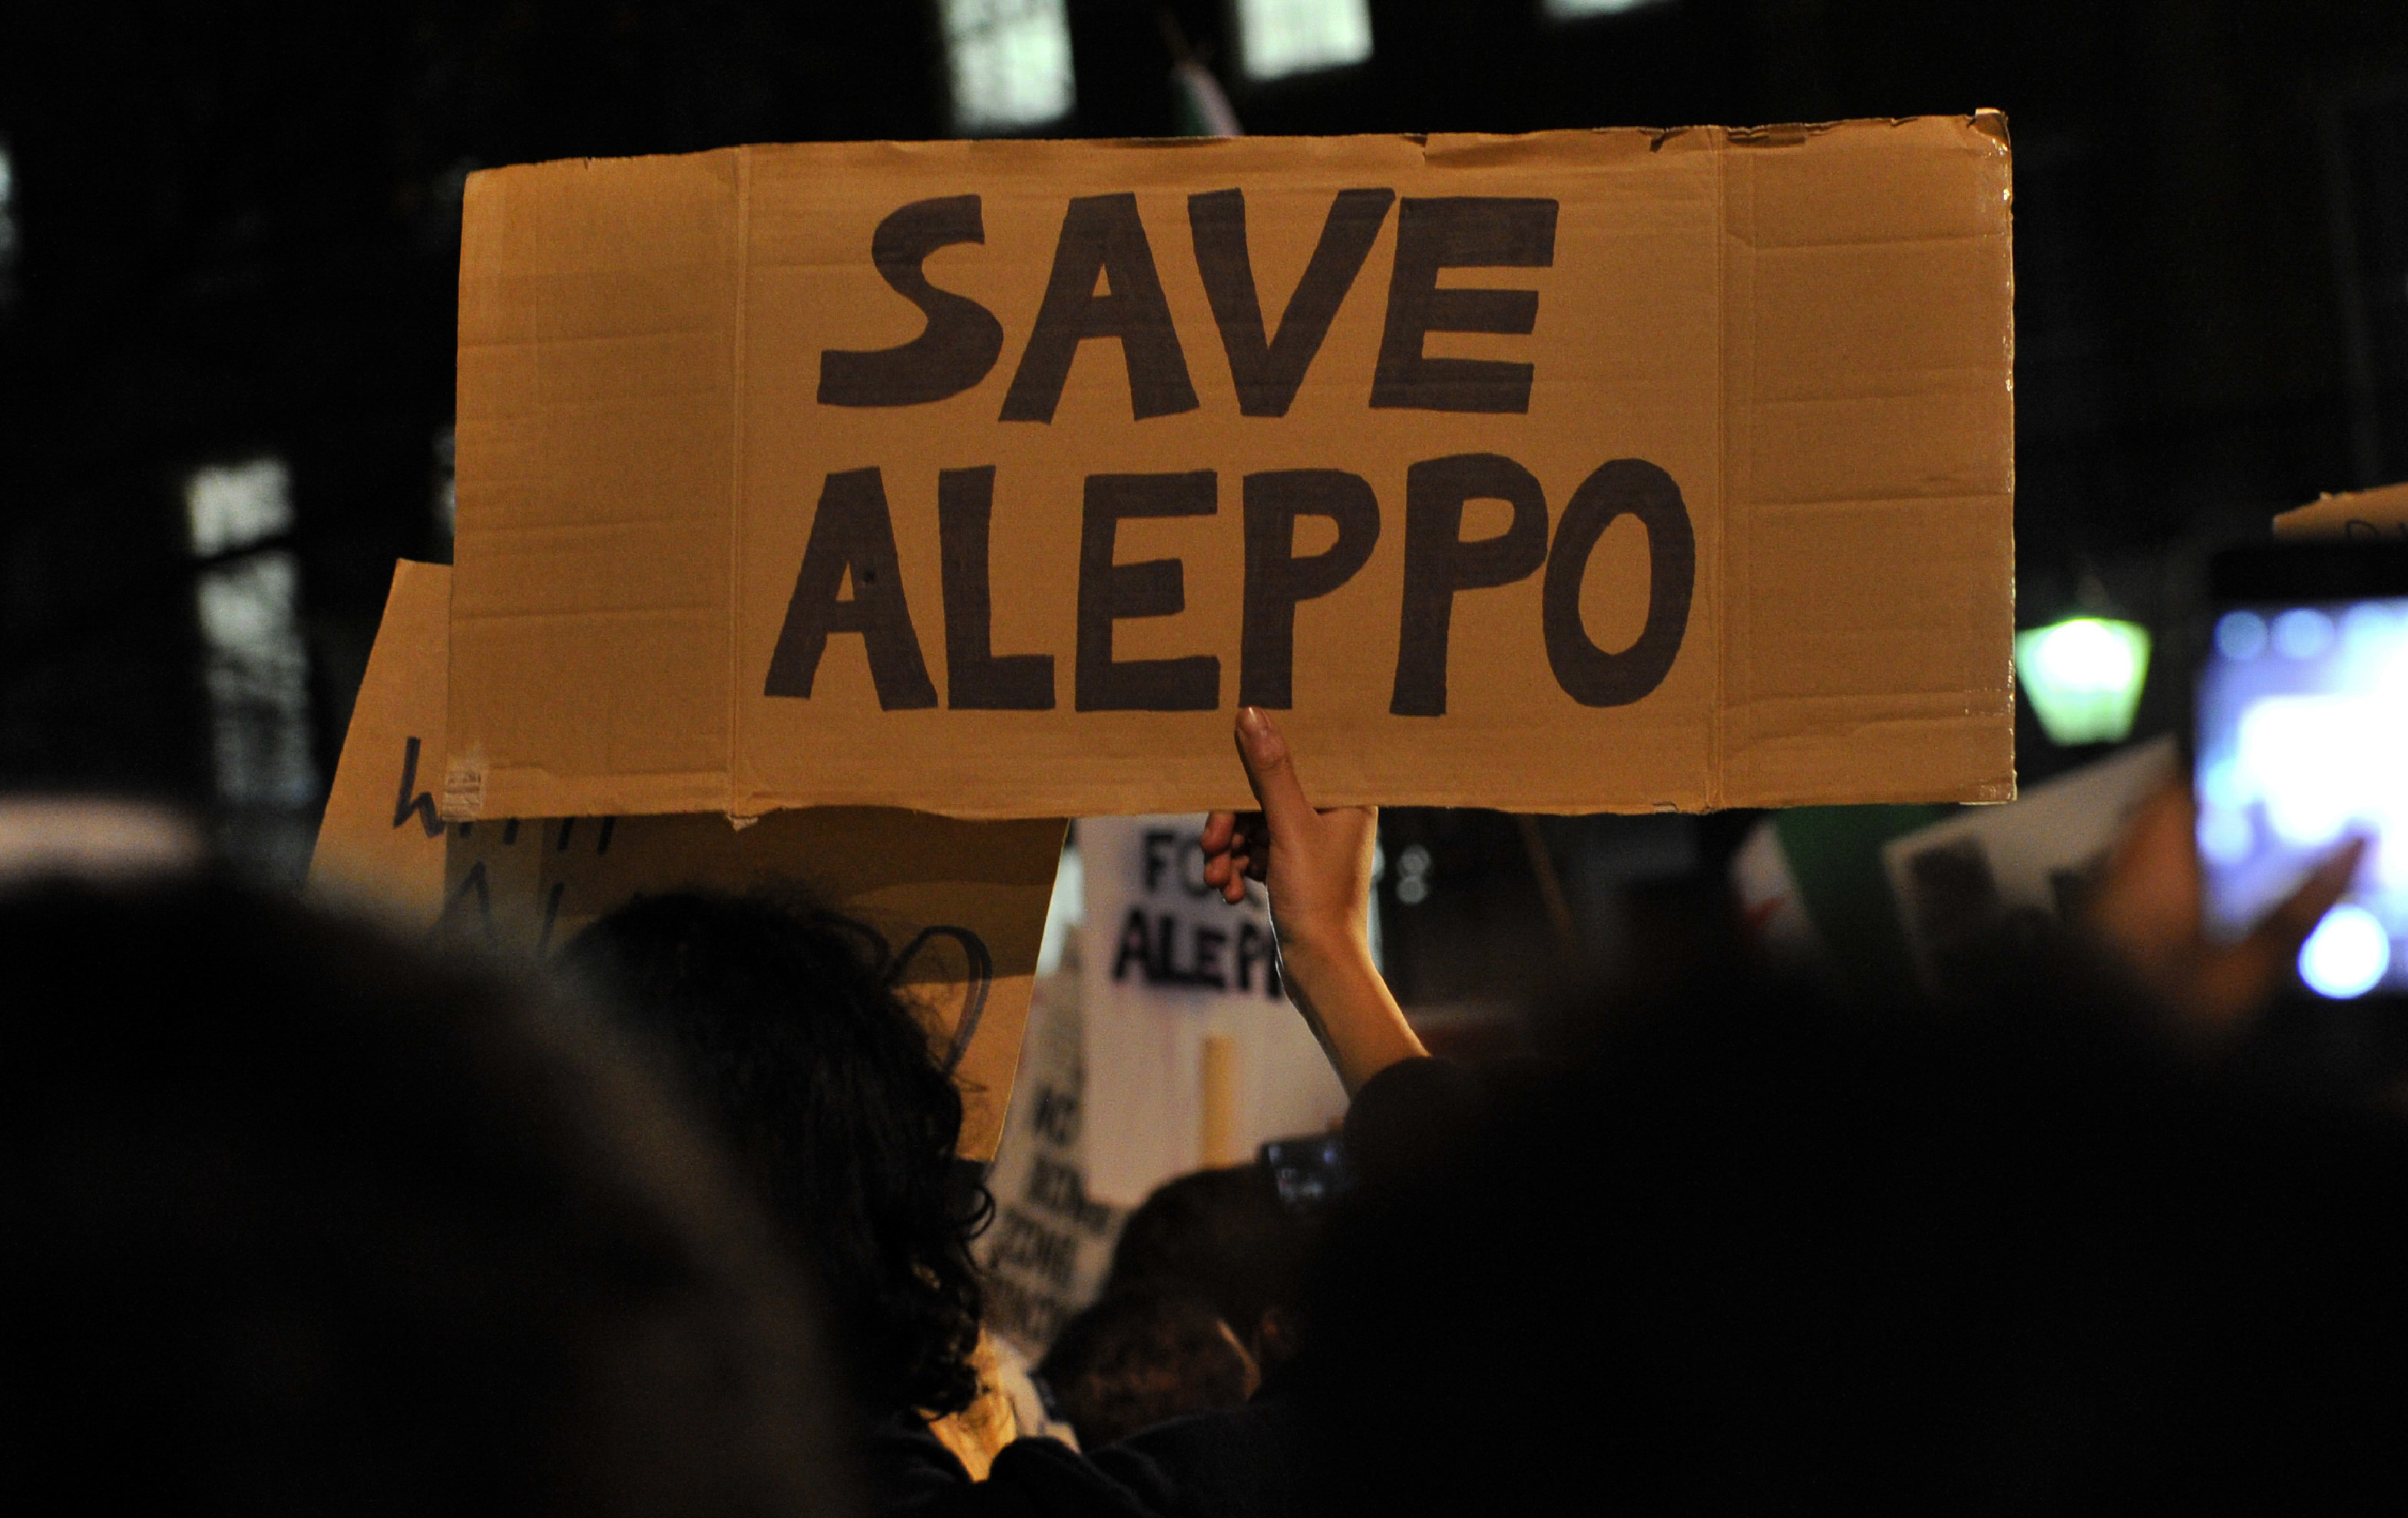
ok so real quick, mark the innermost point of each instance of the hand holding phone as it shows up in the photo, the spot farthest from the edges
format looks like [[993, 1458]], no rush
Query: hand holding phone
[[2302, 746], [2147, 909]]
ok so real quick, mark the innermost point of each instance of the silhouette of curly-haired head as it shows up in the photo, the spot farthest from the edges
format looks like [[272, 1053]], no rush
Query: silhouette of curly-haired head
[[783, 1026], [299, 1219]]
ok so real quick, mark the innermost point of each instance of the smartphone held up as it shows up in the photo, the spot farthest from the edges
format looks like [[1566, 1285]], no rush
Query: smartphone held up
[[2302, 744]]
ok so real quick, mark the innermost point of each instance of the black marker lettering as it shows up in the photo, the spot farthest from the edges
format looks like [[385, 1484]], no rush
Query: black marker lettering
[[1277, 579], [1109, 592], [1439, 563], [852, 538], [1137, 945], [976, 680], [1587, 673], [1102, 234], [422, 805], [1460, 233], [1191, 867], [1209, 941], [1158, 843], [1254, 947], [1268, 374], [1166, 951], [962, 339]]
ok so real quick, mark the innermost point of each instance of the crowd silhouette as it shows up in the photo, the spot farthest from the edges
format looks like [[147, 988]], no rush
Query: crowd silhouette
[[305, 1218]]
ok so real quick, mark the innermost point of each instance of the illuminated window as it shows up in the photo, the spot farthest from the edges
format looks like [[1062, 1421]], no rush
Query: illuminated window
[[255, 665], [445, 503], [237, 507], [1280, 37], [1010, 63], [1566, 10], [7, 225]]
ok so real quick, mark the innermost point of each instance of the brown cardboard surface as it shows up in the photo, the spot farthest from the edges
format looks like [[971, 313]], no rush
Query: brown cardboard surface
[[664, 403], [380, 843], [960, 906], [2381, 513]]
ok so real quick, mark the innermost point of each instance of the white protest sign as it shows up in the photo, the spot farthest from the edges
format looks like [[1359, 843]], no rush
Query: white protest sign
[[1193, 1054], [1957, 881], [1052, 1243]]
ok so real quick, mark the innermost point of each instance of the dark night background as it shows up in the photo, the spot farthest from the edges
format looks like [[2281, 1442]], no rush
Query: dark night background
[[237, 230]]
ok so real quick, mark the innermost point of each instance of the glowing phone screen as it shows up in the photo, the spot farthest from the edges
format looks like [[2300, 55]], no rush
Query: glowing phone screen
[[2303, 742]]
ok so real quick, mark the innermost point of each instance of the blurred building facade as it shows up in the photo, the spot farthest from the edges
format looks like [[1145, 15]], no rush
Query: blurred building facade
[[228, 244]]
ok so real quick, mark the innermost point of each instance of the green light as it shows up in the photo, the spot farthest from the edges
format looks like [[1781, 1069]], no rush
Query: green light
[[2084, 676]]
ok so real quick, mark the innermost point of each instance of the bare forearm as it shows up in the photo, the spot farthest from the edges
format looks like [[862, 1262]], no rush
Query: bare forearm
[[1349, 1008], [1316, 867]]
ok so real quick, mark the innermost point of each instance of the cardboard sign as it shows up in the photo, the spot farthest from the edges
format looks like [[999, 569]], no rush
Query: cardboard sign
[[1583, 470], [2379, 514], [957, 908], [380, 846]]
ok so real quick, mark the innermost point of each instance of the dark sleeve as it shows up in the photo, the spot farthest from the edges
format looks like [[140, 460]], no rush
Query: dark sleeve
[[1033, 1478], [1245, 1461], [909, 1467], [1414, 1117]]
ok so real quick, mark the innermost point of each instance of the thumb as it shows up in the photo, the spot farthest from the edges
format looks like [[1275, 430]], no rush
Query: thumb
[[1271, 772], [2288, 925]]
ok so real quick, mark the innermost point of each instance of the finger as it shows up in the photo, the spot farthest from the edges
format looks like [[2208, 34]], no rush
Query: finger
[[2161, 831], [2147, 902], [1218, 828], [1271, 769], [2288, 925], [1217, 869], [2231, 985], [1228, 876]]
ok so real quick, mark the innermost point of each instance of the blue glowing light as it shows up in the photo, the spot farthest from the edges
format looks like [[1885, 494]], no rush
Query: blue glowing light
[[2346, 955]]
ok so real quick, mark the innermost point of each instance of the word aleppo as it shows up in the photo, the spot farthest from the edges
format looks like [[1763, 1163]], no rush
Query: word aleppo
[[853, 544], [1149, 942]]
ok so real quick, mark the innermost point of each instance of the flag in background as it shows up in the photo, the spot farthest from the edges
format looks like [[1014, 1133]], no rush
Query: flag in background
[[1202, 106]]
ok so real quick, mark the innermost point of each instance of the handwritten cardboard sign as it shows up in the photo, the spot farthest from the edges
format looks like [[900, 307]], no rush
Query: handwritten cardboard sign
[[381, 845], [956, 909], [1576, 471], [2375, 515]]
